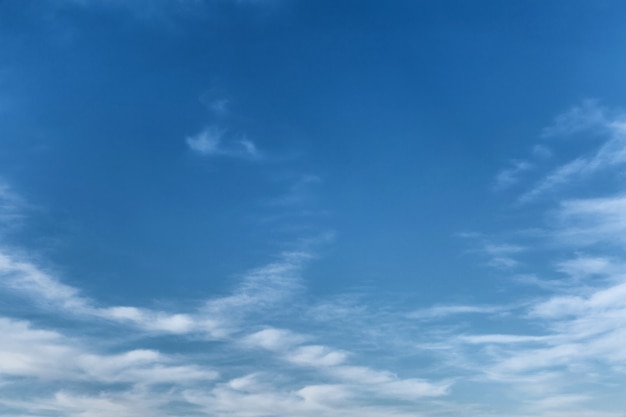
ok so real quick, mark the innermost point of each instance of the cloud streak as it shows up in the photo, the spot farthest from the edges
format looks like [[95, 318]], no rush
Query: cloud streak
[[43, 356], [610, 155]]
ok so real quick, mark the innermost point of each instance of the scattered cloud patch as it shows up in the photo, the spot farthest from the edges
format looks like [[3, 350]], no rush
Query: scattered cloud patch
[[593, 221], [274, 339], [259, 290], [446, 311], [12, 207], [608, 126], [299, 191], [510, 176], [265, 348], [219, 107], [41, 355], [589, 115], [211, 141], [206, 142], [50, 355], [499, 255]]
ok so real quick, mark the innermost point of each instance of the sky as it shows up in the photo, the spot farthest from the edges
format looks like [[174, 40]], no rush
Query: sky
[[312, 208]]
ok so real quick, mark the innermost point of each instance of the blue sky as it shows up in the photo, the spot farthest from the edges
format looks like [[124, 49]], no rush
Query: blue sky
[[263, 208]]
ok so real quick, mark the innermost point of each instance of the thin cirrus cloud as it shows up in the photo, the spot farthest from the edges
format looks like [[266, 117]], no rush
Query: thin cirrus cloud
[[587, 116], [497, 254], [446, 311], [577, 342], [332, 363], [260, 289], [602, 124], [43, 357], [12, 207], [510, 176], [593, 221], [517, 169], [551, 351], [212, 142]]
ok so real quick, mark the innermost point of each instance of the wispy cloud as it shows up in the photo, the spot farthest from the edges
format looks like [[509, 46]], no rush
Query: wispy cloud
[[591, 221], [517, 169], [12, 206], [260, 289], [607, 126], [510, 176], [589, 115], [211, 141], [588, 267], [499, 255], [50, 355], [446, 311], [559, 349], [333, 363], [267, 347], [299, 191], [144, 381]]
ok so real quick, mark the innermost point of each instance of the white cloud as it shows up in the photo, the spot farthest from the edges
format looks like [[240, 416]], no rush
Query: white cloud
[[207, 141], [328, 394], [577, 342], [499, 255], [611, 154], [299, 191], [274, 339], [149, 320], [587, 116], [445, 311], [49, 355], [316, 356], [590, 221], [259, 290], [561, 347], [510, 176], [104, 404], [559, 176], [500, 339], [212, 141], [25, 277], [308, 400], [12, 206], [331, 363], [249, 147], [259, 359], [220, 107], [388, 384], [582, 267], [262, 288]]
